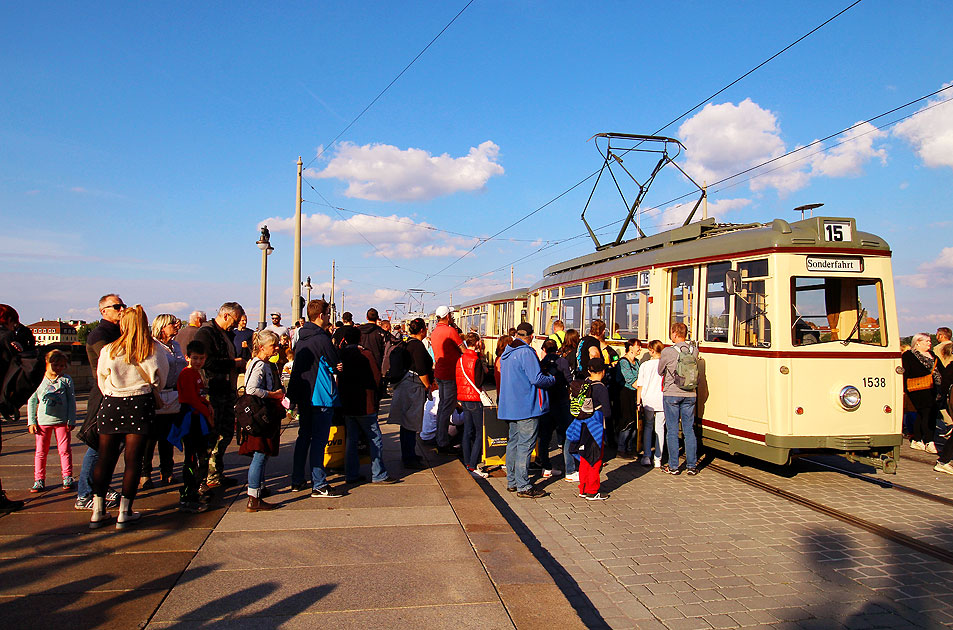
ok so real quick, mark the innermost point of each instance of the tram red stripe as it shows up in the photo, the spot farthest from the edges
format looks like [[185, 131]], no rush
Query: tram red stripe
[[733, 431]]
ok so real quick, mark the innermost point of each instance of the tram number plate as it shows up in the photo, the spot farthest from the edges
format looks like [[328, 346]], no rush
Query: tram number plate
[[874, 381], [837, 231]]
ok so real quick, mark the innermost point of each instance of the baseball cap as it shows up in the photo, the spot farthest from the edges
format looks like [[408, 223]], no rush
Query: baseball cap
[[443, 311], [276, 314], [525, 327]]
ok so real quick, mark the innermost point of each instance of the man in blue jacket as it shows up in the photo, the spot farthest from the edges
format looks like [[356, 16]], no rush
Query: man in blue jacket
[[314, 423], [522, 400]]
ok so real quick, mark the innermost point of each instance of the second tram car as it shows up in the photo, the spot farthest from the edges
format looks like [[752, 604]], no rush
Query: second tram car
[[796, 324]]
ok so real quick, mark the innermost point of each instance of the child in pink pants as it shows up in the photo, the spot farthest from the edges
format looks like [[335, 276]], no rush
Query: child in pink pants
[[52, 412]]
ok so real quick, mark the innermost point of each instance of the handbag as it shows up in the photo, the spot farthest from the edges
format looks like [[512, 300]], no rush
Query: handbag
[[921, 383], [156, 392], [88, 434]]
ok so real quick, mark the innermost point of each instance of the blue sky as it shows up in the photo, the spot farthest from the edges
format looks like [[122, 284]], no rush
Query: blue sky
[[142, 145]]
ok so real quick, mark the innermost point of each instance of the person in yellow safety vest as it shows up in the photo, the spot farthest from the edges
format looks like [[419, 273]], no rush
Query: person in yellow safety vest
[[559, 333]]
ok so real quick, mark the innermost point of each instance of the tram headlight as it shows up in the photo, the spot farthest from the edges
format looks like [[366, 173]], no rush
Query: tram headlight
[[849, 398]]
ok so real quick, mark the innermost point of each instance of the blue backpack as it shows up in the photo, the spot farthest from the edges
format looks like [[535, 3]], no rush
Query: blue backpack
[[325, 389]]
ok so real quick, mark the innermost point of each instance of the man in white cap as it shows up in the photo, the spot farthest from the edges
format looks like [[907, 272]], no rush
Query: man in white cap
[[276, 327], [447, 348]]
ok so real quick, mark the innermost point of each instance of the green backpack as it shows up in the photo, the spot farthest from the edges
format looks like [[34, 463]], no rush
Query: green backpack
[[686, 368], [580, 399]]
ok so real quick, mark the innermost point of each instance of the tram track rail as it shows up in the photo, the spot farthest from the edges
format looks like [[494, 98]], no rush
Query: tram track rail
[[900, 538], [883, 483]]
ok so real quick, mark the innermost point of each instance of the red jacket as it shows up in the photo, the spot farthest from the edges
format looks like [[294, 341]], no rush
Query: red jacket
[[469, 364]]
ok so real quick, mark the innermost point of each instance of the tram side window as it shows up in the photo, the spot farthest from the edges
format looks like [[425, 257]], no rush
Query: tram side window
[[630, 313], [597, 307], [570, 311], [548, 313], [837, 309], [717, 303], [683, 296]]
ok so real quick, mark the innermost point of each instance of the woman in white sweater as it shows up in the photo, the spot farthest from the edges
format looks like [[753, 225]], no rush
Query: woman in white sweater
[[128, 370]]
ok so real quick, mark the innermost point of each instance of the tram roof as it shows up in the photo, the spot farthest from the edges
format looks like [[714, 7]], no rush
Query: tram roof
[[502, 296], [706, 238]]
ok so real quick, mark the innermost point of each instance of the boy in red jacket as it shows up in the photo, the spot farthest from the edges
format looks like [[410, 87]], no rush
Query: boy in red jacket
[[469, 376], [197, 417]]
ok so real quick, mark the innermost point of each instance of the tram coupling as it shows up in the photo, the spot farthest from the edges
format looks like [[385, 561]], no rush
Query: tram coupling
[[886, 462]]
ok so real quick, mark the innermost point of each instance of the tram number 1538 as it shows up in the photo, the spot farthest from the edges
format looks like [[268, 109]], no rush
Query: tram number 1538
[[875, 381]]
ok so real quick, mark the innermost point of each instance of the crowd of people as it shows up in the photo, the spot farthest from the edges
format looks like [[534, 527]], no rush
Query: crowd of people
[[927, 383], [172, 385]]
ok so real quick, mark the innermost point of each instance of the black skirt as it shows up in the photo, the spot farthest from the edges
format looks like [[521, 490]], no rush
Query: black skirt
[[129, 414]]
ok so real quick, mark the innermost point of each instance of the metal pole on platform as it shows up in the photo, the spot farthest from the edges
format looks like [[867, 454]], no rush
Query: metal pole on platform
[[333, 314], [296, 273], [264, 244]]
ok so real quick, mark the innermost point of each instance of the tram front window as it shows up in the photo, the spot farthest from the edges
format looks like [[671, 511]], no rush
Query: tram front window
[[848, 310]]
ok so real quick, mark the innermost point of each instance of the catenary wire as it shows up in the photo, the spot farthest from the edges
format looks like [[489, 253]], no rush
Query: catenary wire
[[393, 81], [730, 177], [729, 85]]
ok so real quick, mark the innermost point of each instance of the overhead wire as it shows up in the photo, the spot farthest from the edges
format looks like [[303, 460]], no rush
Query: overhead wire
[[753, 168], [393, 81], [668, 124]]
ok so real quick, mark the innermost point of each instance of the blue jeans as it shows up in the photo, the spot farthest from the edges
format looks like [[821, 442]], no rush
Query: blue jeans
[[314, 427], [680, 407], [372, 431], [519, 447], [256, 472], [472, 433], [653, 425], [84, 485], [408, 446], [561, 421], [447, 403]]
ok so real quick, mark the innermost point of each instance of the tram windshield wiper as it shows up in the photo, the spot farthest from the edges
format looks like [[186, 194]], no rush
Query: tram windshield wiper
[[860, 318]]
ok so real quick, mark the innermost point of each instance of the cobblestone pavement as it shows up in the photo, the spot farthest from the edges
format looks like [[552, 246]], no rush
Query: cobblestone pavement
[[711, 552]]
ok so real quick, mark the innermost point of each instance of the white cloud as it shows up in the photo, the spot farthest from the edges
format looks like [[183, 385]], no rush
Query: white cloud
[[930, 132], [852, 150], [168, 307], [388, 294], [725, 139], [935, 273], [382, 172], [676, 215], [479, 287], [394, 236]]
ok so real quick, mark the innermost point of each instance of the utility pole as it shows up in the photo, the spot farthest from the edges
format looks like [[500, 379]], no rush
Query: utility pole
[[333, 316], [296, 273], [511, 277]]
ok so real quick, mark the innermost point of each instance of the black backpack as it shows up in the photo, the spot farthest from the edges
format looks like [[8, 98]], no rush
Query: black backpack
[[21, 374], [395, 363]]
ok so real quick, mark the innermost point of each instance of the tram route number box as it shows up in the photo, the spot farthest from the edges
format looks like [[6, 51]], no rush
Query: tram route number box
[[495, 434]]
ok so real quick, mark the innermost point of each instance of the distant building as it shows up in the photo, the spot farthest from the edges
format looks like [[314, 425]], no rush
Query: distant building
[[50, 331]]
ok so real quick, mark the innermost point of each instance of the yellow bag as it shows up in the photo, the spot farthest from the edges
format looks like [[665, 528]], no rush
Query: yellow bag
[[921, 382]]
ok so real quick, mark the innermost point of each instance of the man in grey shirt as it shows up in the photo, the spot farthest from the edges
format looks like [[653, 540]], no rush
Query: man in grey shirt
[[678, 403]]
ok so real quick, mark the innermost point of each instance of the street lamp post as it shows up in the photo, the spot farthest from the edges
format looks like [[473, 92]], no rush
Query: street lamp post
[[307, 287], [264, 244]]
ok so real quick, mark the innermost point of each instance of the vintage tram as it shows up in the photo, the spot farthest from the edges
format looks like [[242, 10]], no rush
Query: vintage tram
[[796, 323]]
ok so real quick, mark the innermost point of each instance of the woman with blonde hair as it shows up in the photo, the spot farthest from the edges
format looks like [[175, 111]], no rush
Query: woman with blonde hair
[[163, 331], [130, 372], [261, 381]]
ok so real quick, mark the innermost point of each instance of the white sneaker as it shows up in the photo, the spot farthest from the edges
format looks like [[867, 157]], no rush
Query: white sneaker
[[657, 463], [596, 497], [917, 446], [547, 473], [478, 472], [573, 477], [930, 447], [944, 468]]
